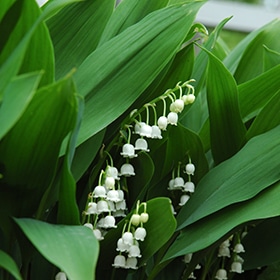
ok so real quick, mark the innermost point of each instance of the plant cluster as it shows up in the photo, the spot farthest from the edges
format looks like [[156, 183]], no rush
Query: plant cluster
[[135, 145]]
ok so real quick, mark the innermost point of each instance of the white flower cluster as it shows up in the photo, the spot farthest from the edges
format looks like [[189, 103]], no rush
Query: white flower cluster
[[128, 243], [178, 183], [105, 203], [224, 251]]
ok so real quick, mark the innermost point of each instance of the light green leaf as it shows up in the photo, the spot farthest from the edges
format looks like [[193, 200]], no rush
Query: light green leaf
[[227, 130], [121, 73], [17, 96], [73, 249], [267, 119], [210, 229], [9, 264], [127, 13], [239, 178], [76, 31]]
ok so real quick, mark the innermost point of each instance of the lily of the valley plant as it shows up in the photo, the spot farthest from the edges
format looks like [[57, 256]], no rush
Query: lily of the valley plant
[[134, 144]]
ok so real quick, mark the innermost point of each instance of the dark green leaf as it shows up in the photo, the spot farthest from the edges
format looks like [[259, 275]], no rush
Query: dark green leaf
[[73, 249], [271, 58], [9, 264]]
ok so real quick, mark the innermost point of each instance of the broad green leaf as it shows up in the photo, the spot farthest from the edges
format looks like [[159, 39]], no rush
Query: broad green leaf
[[239, 178], [161, 222], [73, 249], [250, 64], [271, 272], [17, 96], [76, 31], [127, 13], [227, 130], [254, 94], [9, 264], [262, 244], [271, 58], [210, 229], [13, 62], [233, 59], [68, 211], [267, 119], [121, 73], [29, 151]]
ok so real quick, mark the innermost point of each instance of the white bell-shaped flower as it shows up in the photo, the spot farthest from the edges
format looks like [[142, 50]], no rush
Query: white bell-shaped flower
[[127, 170], [187, 258], [60, 276], [190, 168], [99, 191], [92, 208], [100, 223], [131, 262], [135, 219], [221, 274], [109, 222], [172, 118], [178, 182], [89, 225], [142, 145], [102, 206], [111, 205], [184, 199], [146, 130], [127, 238], [224, 252], [162, 122], [112, 171], [239, 248], [121, 205], [177, 106], [171, 185], [119, 261], [98, 235], [225, 243], [156, 132], [137, 127], [128, 150], [110, 182], [121, 194], [119, 213], [134, 251], [236, 267], [140, 233], [189, 187], [188, 98], [144, 217], [113, 195], [121, 246]]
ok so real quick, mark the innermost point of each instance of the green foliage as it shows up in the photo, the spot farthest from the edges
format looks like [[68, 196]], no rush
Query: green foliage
[[77, 81]]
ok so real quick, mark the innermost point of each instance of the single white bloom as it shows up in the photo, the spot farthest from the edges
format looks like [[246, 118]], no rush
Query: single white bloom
[[121, 205], [121, 194], [131, 262], [99, 191], [221, 274], [135, 219], [226, 243], [171, 184], [172, 118], [184, 199], [119, 213], [236, 267], [190, 168], [146, 130], [188, 99], [156, 132], [142, 145], [178, 182], [121, 246], [97, 233], [89, 225], [113, 195], [128, 151], [162, 122], [92, 208], [127, 170], [187, 258], [109, 222], [102, 206], [110, 182], [137, 127], [189, 187], [144, 217], [119, 261], [224, 252], [60, 276], [177, 106], [134, 251], [127, 238], [112, 171], [238, 248], [140, 233]]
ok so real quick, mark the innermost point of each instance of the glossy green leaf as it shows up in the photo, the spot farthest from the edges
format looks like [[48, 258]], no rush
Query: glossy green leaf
[[73, 249], [250, 64], [9, 264], [271, 58], [210, 229], [127, 13], [254, 94], [29, 151], [160, 222], [76, 31], [239, 178], [121, 73], [17, 96], [267, 118], [227, 130], [262, 244]]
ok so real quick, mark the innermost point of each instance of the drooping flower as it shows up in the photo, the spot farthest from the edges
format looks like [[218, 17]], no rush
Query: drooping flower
[[128, 151], [127, 170], [99, 191], [156, 132], [92, 208], [189, 187], [146, 130], [142, 145], [177, 106], [172, 118], [119, 261], [190, 168], [97, 233], [127, 238], [224, 251], [187, 258], [144, 217], [113, 195], [238, 248], [188, 98], [162, 122], [112, 171], [140, 233], [102, 206], [109, 222], [221, 274], [184, 199], [135, 219], [89, 225], [178, 183], [110, 182], [134, 251], [131, 262], [236, 267], [60, 276]]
